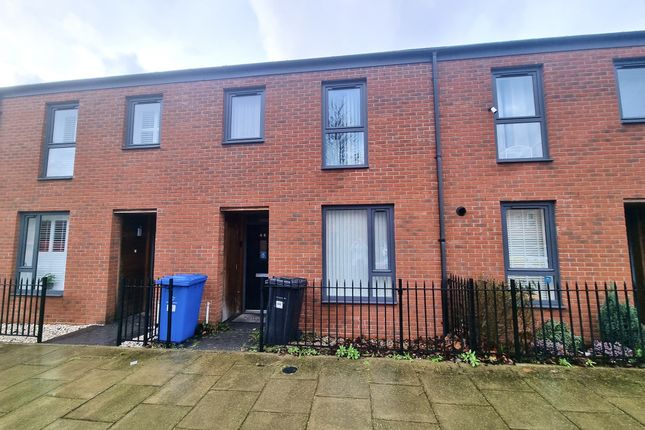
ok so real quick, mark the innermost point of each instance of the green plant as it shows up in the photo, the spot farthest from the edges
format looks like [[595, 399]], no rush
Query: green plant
[[470, 357], [619, 322], [348, 352], [558, 332], [564, 362], [301, 352], [436, 358], [51, 280], [589, 362], [404, 356]]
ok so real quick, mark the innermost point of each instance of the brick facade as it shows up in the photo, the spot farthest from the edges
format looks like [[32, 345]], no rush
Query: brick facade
[[597, 164]]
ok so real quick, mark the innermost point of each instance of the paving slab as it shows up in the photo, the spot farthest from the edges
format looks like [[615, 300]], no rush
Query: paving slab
[[633, 406], [49, 409], [53, 358], [344, 381], [403, 425], [525, 410], [615, 385], [257, 420], [157, 417], [308, 368], [18, 373], [493, 379], [244, 377], [112, 404], [452, 388], [336, 413], [183, 390], [289, 396], [71, 369], [211, 364], [392, 372], [401, 403], [569, 395], [125, 359], [220, 410], [152, 372], [468, 416], [602, 420], [91, 384], [66, 424], [24, 392]]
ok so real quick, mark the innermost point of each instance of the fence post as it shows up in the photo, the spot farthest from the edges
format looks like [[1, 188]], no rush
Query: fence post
[[261, 338], [400, 290], [516, 329], [169, 311], [119, 316], [41, 313], [472, 326], [146, 319]]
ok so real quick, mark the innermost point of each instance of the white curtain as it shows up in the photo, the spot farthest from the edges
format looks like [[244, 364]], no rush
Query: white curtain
[[246, 115], [52, 249], [65, 126], [344, 108], [146, 124], [526, 235], [515, 97], [381, 257], [60, 161], [345, 149], [519, 140], [346, 252]]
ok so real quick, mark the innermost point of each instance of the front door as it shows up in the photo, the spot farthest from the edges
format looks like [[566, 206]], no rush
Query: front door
[[257, 263]]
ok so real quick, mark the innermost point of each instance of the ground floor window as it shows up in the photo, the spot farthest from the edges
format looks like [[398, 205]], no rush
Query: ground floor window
[[358, 255], [43, 249], [530, 249]]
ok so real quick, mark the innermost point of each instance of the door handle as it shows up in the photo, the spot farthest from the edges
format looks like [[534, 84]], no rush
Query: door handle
[[261, 275]]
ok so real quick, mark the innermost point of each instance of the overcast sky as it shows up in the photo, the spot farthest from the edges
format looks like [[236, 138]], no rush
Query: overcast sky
[[45, 40]]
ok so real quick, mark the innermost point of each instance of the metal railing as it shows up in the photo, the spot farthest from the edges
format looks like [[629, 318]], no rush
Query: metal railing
[[22, 307], [518, 320]]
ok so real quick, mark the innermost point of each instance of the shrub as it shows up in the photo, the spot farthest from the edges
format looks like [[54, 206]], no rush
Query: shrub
[[619, 322], [612, 349], [558, 334]]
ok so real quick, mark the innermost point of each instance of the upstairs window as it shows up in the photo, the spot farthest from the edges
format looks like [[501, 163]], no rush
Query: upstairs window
[[344, 125], [144, 122], [631, 89], [244, 116], [60, 141], [520, 127]]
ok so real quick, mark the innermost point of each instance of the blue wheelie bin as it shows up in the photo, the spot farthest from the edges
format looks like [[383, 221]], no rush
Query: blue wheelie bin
[[187, 292]]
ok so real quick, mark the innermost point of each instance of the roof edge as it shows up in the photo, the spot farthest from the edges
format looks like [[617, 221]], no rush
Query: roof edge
[[409, 56]]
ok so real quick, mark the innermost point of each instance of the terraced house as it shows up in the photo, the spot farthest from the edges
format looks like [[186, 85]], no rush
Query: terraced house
[[521, 160]]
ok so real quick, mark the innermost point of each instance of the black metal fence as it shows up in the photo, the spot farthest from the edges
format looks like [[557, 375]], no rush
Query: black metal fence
[[517, 320], [139, 312], [22, 307]]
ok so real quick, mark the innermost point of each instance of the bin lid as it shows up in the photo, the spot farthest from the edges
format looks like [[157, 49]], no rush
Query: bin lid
[[286, 282], [183, 279]]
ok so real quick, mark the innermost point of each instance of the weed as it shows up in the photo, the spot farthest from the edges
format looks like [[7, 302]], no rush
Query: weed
[[436, 358], [348, 352], [404, 356], [564, 363], [470, 357], [301, 352], [589, 362]]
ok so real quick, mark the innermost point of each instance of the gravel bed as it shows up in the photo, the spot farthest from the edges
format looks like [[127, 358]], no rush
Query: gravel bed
[[50, 331]]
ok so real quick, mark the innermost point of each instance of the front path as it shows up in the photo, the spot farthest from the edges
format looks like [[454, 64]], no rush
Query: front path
[[84, 387]]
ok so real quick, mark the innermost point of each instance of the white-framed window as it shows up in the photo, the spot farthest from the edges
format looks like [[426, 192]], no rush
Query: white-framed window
[[60, 141], [358, 255], [42, 250], [143, 122]]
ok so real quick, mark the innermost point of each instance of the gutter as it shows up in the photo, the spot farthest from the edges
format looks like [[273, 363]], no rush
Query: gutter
[[440, 202]]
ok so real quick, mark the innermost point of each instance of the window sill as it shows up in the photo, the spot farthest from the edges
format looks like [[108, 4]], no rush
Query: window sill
[[357, 301], [632, 120], [55, 178], [525, 160], [48, 293], [135, 147], [358, 166], [242, 141]]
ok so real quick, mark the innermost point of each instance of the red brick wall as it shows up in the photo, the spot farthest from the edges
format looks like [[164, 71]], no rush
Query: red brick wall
[[597, 164], [193, 175]]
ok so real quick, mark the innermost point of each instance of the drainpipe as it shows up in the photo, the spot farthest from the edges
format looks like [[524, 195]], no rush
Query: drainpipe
[[439, 166]]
